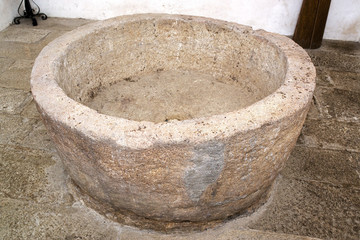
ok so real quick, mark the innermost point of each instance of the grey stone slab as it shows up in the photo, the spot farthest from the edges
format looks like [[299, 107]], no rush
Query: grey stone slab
[[18, 75], [13, 128], [338, 103], [5, 63], [346, 80], [340, 168], [27, 51], [330, 134], [16, 79], [22, 172], [311, 208], [26, 220], [17, 130], [30, 111], [342, 80], [314, 111], [53, 35], [335, 60], [238, 234], [23, 35], [38, 138], [22, 64], [346, 47], [323, 77], [13, 101], [18, 50], [33, 175]]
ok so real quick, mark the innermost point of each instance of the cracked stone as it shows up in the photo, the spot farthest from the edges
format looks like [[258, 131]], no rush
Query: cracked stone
[[313, 208], [335, 167], [338, 103], [352, 48], [342, 80], [25, 220], [22, 172], [17, 75], [38, 138], [13, 101], [13, 128], [330, 134], [30, 111], [5, 63], [335, 60], [23, 35]]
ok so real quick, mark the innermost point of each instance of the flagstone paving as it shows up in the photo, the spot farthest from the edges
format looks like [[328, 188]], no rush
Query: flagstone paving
[[317, 194]]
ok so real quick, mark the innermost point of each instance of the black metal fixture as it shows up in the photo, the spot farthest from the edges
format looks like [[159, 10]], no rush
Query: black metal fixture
[[29, 13]]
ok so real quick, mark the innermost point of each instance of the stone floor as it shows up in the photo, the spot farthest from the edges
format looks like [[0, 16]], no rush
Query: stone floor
[[317, 193]]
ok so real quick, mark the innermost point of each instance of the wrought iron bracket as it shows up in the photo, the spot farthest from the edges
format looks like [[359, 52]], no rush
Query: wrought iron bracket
[[29, 12]]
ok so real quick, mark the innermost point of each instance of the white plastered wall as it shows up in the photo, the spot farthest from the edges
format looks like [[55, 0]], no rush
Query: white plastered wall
[[272, 15], [8, 10]]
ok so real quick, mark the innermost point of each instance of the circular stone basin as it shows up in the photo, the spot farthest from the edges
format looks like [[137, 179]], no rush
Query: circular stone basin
[[173, 120]]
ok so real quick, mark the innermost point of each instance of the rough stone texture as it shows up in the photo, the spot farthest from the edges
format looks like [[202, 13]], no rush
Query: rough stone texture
[[23, 35], [340, 80], [15, 75], [13, 128], [170, 95], [348, 48], [13, 101], [336, 167], [28, 176], [30, 111], [198, 170], [319, 192], [335, 60], [308, 207], [327, 208], [5, 63], [339, 103], [25, 220], [325, 133], [228, 234]]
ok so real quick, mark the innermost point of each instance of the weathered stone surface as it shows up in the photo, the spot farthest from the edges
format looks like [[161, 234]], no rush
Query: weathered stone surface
[[339, 168], [314, 111], [5, 63], [331, 134], [25, 50], [30, 111], [313, 208], [212, 235], [24, 220], [197, 170], [55, 24], [17, 75], [22, 173], [23, 35], [351, 48], [13, 128], [338, 103], [13, 101], [342, 80], [54, 218], [38, 138], [17, 50], [335, 60]]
